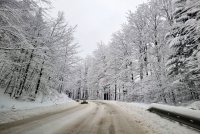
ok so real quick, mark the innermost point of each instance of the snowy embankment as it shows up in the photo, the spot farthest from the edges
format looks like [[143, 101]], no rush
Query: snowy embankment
[[178, 110], [7, 104], [12, 110], [154, 122], [195, 105]]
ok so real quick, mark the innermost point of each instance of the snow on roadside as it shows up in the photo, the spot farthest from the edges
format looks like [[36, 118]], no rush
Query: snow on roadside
[[7, 104], [180, 110], [12, 110], [13, 115], [154, 122], [195, 105]]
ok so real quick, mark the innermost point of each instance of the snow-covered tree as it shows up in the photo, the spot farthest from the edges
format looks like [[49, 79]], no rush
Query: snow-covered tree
[[38, 55], [183, 62]]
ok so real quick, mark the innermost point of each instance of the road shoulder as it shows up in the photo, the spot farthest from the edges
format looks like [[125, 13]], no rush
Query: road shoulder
[[15, 115]]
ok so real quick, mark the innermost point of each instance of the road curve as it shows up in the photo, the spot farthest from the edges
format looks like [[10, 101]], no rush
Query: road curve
[[97, 117]]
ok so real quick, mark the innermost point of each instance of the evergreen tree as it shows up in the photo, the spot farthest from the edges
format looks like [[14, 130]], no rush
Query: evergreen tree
[[177, 43], [185, 38]]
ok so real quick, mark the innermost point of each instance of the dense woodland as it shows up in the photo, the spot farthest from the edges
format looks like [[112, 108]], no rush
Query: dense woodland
[[37, 52], [154, 57]]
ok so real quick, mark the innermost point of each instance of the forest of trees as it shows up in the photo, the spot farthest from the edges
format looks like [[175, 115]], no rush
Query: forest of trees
[[38, 54], [154, 57]]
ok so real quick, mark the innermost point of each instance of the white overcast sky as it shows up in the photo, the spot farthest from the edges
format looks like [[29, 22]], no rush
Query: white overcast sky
[[96, 19]]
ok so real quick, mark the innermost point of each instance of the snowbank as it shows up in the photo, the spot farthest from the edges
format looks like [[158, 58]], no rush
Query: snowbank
[[154, 122], [13, 115], [178, 110], [7, 104], [12, 110], [195, 105]]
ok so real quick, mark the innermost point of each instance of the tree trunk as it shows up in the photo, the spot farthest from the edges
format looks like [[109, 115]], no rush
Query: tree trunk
[[173, 97], [26, 74], [141, 61], [115, 91], [141, 71], [61, 86], [39, 78], [146, 60], [119, 94], [7, 87], [2, 69], [14, 88]]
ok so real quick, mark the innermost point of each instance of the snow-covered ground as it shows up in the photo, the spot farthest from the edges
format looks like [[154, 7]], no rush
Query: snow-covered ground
[[179, 110], [12, 110], [154, 122], [7, 104], [195, 105], [13, 115]]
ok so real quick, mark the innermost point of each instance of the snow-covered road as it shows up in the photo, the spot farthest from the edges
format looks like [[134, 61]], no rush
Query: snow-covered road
[[97, 117]]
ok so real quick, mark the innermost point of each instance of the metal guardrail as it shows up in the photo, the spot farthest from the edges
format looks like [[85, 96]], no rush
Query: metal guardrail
[[184, 119]]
